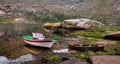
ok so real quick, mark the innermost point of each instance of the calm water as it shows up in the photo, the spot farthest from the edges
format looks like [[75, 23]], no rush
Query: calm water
[[11, 41]]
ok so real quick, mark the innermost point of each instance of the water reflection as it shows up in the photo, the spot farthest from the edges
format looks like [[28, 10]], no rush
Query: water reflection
[[11, 42]]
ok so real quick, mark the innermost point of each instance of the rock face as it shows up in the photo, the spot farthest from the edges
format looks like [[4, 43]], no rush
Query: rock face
[[74, 61], [113, 36], [105, 59]]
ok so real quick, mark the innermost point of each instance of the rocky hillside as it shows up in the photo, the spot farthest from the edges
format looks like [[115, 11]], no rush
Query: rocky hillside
[[106, 11]]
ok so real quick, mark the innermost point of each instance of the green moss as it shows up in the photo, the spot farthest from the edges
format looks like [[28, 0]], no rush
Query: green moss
[[84, 55], [81, 56], [90, 53], [53, 58], [101, 52]]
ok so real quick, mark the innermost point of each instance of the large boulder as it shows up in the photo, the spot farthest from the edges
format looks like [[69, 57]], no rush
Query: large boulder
[[21, 20], [105, 59], [52, 24], [113, 36], [83, 23], [75, 23], [2, 13]]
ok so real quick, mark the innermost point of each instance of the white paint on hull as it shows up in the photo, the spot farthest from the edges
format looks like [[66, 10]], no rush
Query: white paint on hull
[[41, 44]]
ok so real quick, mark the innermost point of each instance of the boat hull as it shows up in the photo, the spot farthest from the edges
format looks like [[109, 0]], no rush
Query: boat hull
[[87, 48], [47, 44]]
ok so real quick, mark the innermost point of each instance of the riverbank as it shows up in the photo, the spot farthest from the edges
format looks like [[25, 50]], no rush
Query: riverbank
[[13, 46]]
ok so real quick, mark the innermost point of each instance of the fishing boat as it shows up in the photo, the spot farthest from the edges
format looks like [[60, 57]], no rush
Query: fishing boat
[[85, 47], [38, 40]]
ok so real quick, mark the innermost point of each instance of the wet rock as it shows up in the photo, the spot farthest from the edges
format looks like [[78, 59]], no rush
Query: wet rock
[[44, 61], [113, 36], [105, 59], [23, 58], [3, 60], [65, 58], [74, 61]]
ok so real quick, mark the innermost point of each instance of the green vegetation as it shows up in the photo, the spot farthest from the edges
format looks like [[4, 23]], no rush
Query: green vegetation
[[53, 58], [101, 52], [97, 32], [81, 56], [84, 55], [6, 19], [90, 40], [53, 17], [91, 34], [113, 50], [108, 28]]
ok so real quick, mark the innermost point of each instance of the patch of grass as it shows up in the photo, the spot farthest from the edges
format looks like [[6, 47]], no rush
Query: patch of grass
[[101, 52], [108, 28], [91, 34], [113, 49], [81, 56], [84, 55], [53, 58], [6, 19], [89, 40]]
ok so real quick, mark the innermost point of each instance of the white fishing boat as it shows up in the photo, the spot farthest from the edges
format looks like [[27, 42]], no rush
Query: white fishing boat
[[38, 40]]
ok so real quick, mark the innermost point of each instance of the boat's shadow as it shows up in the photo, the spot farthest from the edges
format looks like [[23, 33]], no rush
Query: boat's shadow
[[37, 47]]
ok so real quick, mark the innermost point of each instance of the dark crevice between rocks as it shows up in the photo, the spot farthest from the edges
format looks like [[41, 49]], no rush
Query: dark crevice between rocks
[[110, 37], [89, 61]]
